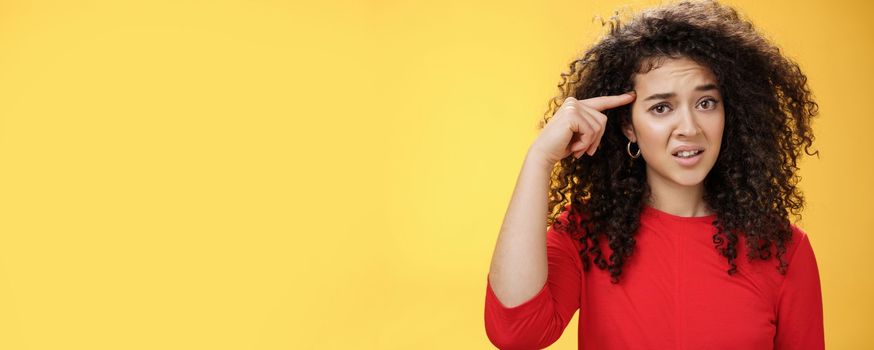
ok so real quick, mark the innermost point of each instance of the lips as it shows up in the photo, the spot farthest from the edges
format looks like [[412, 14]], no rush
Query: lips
[[687, 154], [687, 148], [688, 158]]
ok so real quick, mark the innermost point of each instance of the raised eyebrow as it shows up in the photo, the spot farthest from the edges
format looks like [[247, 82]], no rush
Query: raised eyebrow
[[706, 87], [663, 96], [667, 95]]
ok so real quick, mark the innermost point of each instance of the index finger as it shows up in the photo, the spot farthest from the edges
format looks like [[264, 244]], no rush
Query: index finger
[[601, 103]]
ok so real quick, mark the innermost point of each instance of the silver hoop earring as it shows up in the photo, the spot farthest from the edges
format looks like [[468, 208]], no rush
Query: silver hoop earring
[[628, 148]]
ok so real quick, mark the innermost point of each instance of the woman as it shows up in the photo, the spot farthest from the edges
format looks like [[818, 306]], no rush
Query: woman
[[671, 166]]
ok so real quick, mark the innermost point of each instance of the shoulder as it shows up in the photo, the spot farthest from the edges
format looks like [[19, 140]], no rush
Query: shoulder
[[799, 242], [802, 275], [569, 212], [561, 232], [563, 247]]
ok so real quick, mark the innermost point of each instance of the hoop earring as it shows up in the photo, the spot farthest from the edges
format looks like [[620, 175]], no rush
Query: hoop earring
[[628, 149]]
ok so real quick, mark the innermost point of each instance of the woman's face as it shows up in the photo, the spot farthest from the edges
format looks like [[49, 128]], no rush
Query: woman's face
[[678, 107]]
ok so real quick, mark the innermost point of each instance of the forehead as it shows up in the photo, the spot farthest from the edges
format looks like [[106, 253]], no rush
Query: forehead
[[673, 74]]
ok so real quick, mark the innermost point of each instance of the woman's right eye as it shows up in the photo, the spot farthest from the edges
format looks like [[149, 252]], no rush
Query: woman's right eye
[[659, 108]]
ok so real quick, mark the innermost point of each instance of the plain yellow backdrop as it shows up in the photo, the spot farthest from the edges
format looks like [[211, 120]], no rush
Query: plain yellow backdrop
[[330, 174]]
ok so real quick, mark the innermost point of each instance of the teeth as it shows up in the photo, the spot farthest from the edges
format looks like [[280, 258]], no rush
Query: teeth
[[687, 154]]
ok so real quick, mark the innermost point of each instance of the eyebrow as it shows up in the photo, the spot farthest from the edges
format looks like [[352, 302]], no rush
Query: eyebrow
[[667, 95]]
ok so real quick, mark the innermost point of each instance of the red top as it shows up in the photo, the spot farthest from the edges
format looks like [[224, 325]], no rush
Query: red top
[[674, 293]]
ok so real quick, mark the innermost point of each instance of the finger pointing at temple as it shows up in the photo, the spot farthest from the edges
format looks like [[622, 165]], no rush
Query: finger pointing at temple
[[602, 103]]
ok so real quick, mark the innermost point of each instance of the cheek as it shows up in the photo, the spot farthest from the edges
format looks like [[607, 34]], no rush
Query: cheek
[[651, 133], [715, 128]]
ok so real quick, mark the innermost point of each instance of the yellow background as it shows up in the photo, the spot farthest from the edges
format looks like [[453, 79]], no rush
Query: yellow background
[[329, 174]]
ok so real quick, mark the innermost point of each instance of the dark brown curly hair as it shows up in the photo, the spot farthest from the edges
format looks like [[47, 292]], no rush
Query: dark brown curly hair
[[751, 188]]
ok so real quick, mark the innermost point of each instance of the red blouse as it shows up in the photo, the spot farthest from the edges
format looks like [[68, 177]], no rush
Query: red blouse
[[674, 293]]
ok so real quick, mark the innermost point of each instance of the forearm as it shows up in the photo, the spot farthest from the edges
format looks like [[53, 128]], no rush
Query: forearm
[[519, 264]]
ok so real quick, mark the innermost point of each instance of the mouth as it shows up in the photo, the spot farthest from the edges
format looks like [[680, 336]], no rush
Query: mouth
[[688, 154], [688, 158]]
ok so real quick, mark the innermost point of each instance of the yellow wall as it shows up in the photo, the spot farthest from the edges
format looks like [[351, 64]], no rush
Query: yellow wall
[[328, 174]]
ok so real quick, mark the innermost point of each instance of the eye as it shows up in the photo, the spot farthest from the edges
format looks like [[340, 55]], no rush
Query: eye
[[709, 103], [660, 108]]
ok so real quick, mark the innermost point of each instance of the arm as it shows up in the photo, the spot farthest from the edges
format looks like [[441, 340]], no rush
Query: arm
[[518, 273], [533, 287], [539, 321], [799, 307], [518, 267]]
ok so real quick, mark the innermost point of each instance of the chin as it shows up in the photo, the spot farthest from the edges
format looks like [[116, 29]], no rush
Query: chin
[[668, 171], [690, 180]]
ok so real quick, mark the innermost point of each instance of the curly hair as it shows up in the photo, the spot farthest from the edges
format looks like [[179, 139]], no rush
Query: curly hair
[[751, 187]]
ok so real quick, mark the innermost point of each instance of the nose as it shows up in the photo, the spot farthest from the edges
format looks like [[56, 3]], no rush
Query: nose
[[687, 125]]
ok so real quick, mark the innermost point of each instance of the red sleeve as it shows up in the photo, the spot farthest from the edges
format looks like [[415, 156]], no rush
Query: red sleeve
[[799, 307], [540, 321]]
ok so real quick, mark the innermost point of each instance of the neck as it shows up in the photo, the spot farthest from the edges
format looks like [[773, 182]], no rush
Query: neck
[[676, 199]]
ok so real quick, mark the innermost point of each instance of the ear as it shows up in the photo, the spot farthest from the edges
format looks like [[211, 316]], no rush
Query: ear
[[628, 130]]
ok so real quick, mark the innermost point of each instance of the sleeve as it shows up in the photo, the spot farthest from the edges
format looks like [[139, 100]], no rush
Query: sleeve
[[539, 321], [799, 307]]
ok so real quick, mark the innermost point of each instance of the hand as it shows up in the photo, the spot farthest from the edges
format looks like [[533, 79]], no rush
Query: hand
[[577, 127]]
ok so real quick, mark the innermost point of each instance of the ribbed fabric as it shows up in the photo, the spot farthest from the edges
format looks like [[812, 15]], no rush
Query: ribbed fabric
[[674, 293]]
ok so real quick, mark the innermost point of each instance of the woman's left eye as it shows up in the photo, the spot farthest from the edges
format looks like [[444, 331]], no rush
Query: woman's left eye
[[709, 103]]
